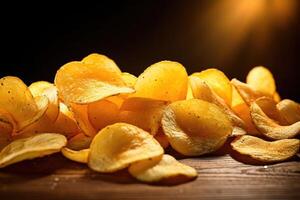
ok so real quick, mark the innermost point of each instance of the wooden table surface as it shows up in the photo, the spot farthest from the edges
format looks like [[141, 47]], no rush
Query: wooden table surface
[[220, 177]]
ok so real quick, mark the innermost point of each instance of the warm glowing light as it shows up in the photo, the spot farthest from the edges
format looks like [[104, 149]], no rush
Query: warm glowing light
[[254, 20]]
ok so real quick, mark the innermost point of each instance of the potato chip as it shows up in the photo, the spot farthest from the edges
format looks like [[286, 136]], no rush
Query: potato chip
[[102, 60], [290, 110], [119, 145], [17, 100], [65, 125], [47, 89], [129, 79], [159, 169], [79, 142], [269, 127], [102, 113], [82, 117], [33, 147], [218, 82], [265, 151], [261, 79], [165, 80], [268, 106], [247, 93], [195, 127], [143, 113], [83, 82], [77, 156], [202, 91]]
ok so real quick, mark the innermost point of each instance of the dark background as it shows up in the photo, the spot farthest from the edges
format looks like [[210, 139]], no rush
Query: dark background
[[36, 41]]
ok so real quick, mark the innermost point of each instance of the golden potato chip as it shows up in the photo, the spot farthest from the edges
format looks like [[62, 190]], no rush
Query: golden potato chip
[[18, 101], [47, 89], [247, 93], [137, 104], [79, 141], [195, 127], [102, 60], [265, 151], [129, 79], [290, 110], [81, 115], [165, 80], [161, 168], [202, 91], [83, 82], [268, 106], [261, 79], [119, 145], [102, 113], [218, 82], [65, 125], [269, 127], [33, 147], [77, 156]]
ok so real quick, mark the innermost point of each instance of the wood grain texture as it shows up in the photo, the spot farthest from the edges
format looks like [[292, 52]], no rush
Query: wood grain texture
[[220, 177]]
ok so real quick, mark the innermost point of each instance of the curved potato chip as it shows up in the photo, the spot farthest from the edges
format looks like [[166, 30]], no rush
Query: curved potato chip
[[119, 145], [290, 110], [77, 156], [218, 82], [102, 60], [159, 169], [83, 83], [79, 142], [81, 115], [165, 80], [268, 106], [47, 89], [195, 127], [33, 147], [261, 79], [247, 93], [102, 113], [17, 100], [265, 151], [269, 127], [202, 91], [129, 79], [143, 113], [65, 125]]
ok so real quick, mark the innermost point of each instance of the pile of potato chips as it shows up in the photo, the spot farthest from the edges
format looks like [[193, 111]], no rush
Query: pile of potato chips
[[111, 120]]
